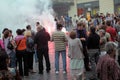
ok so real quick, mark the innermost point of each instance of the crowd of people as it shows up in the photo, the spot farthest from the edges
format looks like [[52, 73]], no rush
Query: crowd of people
[[93, 45]]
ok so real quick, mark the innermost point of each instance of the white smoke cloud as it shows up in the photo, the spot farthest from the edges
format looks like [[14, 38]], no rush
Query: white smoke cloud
[[16, 14]]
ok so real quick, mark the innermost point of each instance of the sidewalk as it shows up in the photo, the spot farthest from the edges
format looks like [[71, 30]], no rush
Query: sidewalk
[[52, 75]]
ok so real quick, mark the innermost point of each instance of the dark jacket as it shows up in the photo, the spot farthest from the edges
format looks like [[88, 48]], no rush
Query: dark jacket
[[82, 34], [41, 39], [93, 41]]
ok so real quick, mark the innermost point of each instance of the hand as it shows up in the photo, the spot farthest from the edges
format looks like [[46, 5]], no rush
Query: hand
[[69, 56], [82, 39]]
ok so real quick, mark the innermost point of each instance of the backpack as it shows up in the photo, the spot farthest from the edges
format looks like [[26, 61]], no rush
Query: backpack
[[10, 46], [30, 44]]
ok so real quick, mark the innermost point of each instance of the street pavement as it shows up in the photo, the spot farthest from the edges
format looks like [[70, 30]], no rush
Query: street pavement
[[52, 75]]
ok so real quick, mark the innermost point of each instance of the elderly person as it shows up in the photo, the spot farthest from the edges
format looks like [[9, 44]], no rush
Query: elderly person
[[107, 67], [77, 58], [103, 41], [41, 41]]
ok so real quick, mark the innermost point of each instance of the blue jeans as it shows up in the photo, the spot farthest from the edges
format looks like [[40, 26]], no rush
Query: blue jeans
[[12, 56], [57, 54], [35, 55]]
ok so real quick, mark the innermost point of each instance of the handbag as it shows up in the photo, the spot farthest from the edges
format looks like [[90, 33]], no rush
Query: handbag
[[10, 46]]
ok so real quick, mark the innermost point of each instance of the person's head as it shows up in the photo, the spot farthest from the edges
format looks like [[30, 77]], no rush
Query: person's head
[[103, 27], [37, 23], [108, 23], [73, 35], [19, 32], [92, 30], [4, 30], [28, 27], [80, 25], [39, 28], [10, 33], [111, 48], [102, 32], [6, 34], [59, 26]]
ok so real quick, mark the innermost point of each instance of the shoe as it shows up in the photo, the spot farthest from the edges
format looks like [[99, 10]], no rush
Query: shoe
[[48, 71], [64, 72], [26, 76], [40, 72], [31, 71], [56, 72], [88, 69]]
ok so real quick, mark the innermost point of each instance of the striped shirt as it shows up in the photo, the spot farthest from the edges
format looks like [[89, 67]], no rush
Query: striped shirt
[[59, 39]]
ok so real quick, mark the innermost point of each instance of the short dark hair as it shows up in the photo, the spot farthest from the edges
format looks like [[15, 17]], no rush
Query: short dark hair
[[93, 30], [59, 26], [4, 30], [19, 32], [37, 23], [6, 33], [81, 24], [28, 26], [108, 23], [10, 31]]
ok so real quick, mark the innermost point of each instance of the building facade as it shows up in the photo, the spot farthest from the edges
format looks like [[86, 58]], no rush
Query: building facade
[[95, 6], [78, 7]]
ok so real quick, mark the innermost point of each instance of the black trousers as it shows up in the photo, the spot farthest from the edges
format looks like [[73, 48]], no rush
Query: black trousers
[[40, 53], [22, 57], [86, 59], [30, 60]]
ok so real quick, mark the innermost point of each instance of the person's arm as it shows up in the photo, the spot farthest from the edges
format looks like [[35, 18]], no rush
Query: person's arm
[[80, 44], [35, 41], [52, 37], [48, 36], [115, 71]]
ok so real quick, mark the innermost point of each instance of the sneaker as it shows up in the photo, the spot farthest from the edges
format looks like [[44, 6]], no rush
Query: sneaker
[[56, 72], [31, 71], [64, 72], [41, 72], [48, 71]]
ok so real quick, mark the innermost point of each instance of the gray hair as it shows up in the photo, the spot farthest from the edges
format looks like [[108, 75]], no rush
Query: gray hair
[[110, 46]]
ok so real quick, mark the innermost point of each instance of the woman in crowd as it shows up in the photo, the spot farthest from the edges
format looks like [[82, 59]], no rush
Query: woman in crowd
[[21, 53], [103, 41], [7, 38], [77, 58]]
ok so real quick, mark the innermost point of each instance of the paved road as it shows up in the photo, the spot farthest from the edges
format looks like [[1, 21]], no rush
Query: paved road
[[52, 75]]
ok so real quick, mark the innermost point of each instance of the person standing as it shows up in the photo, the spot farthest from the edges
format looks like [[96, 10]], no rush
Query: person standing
[[29, 34], [111, 30], [7, 38], [81, 34], [93, 46], [21, 54], [59, 39], [41, 42], [75, 53]]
